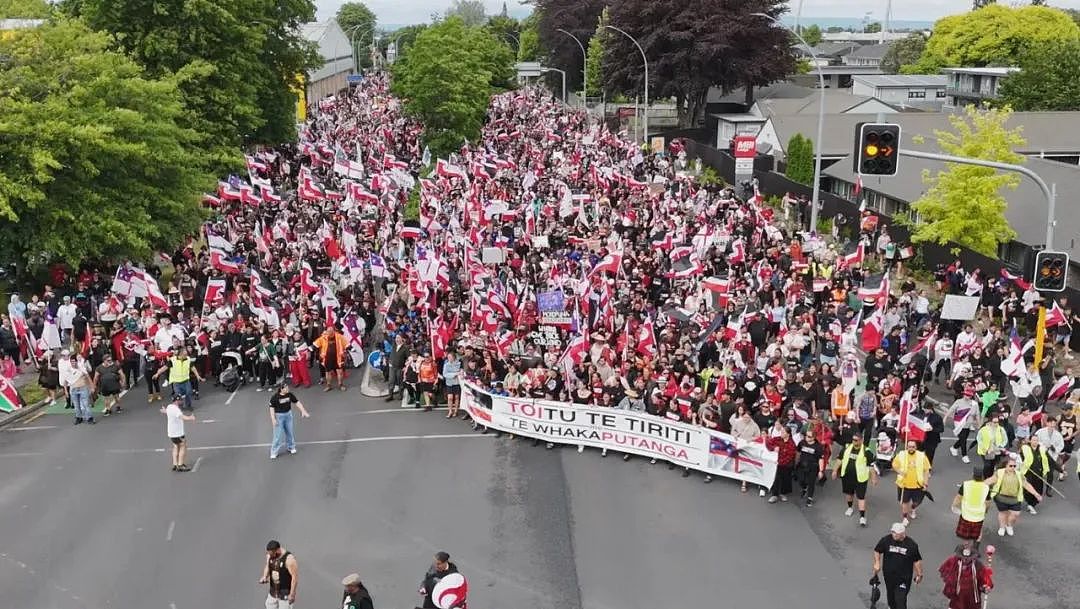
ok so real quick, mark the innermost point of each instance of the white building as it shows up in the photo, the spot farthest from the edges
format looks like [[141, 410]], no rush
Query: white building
[[968, 86], [338, 61], [917, 90]]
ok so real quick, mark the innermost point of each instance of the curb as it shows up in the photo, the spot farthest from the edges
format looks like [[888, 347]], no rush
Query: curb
[[20, 414]]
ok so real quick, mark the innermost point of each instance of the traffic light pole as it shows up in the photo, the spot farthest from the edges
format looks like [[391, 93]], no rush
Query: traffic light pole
[[1049, 192], [1051, 199]]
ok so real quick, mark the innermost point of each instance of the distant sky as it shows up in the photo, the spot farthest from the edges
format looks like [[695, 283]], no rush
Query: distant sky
[[419, 11]]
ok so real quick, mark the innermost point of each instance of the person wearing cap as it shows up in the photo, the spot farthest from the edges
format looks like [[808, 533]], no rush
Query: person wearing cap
[[965, 416], [965, 577], [897, 559], [1037, 468], [180, 372], [356, 596], [174, 429]]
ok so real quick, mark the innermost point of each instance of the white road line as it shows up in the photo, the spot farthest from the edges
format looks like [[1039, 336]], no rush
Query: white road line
[[312, 442], [208, 421], [38, 454], [231, 396], [172, 527], [393, 410], [32, 428], [195, 468]]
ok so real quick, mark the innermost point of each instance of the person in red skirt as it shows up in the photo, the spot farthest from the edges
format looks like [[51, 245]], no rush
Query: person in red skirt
[[965, 577], [970, 505], [298, 352]]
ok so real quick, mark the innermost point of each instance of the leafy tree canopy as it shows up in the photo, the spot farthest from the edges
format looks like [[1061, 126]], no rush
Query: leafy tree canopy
[[355, 15], [529, 49], [994, 35], [447, 78], [469, 11], [506, 30], [594, 79], [964, 203], [24, 9], [811, 34], [578, 17], [692, 47], [235, 60], [94, 162], [1049, 79], [902, 53]]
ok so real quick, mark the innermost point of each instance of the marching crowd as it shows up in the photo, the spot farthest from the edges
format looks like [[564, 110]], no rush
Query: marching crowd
[[556, 260]]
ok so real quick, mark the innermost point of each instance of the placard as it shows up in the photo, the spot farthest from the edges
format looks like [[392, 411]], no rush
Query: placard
[[555, 318], [551, 301], [959, 307], [493, 255], [541, 242], [546, 336]]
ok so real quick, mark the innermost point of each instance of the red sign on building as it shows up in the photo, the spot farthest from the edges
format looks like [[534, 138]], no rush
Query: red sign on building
[[745, 146]]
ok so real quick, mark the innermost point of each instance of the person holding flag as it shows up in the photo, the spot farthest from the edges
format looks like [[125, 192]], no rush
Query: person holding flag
[[912, 477], [965, 418]]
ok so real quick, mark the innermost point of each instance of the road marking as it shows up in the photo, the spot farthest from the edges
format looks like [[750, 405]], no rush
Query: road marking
[[36, 417], [32, 428], [231, 396], [195, 468], [393, 410], [37, 454], [312, 442], [208, 421], [172, 527]]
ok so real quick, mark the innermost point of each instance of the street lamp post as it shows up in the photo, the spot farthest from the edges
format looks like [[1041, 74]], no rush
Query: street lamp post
[[646, 60], [584, 66], [542, 70], [820, 121], [352, 42]]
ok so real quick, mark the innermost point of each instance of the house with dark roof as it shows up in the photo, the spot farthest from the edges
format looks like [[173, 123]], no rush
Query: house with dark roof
[[869, 55]]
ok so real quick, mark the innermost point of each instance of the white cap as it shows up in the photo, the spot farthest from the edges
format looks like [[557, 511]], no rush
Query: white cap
[[898, 528]]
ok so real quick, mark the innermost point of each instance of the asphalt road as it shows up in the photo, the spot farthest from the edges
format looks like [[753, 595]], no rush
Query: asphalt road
[[92, 517]]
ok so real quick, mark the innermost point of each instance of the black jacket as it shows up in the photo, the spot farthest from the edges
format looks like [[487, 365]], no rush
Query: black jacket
[[431, 578], [360, 600]]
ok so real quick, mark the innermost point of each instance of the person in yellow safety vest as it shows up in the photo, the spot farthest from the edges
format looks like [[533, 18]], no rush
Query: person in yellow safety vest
[[912, 475], [1007, 488], [855, 468], [1037, 468], [970, 504], [180, 370], [990, 442]]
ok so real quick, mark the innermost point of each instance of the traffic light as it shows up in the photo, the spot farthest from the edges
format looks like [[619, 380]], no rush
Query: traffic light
[[877, 146], [1051, 269]]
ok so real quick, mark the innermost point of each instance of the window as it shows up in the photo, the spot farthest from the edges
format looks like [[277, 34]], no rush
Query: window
[[916, 94], [940, 93]]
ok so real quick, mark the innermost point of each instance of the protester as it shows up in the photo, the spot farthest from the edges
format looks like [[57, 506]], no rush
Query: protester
[[897, 558], [174, 429], [965, 578], [281, 572], [356, 596], [281, 419], [438, 570]]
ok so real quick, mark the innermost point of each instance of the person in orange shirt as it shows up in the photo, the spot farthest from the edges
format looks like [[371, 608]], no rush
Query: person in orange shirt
[[331, 346], [428, 377]]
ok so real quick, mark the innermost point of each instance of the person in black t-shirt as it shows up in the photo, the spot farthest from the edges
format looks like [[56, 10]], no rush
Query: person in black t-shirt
[[281, 418], [897, 558], [810, 467]]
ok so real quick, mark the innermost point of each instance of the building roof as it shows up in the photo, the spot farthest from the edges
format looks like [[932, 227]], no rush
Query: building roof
[[1046, 132], [1026, 210], [835, 49], [871, 51], [740, 118], [778, 90], [905, 81], [333, 45], [836, 102], [989, 71], [864, 36]]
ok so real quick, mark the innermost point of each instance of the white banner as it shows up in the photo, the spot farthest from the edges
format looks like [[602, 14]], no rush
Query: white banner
[[625, 431]]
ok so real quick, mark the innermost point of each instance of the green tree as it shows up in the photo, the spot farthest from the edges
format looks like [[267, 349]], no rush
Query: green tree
[[235, 60], [963, 203], [403, 37], [447, 78], [358, 23], [506, 30], [1047, 79], [977, 4], [994, 35], [812, 34], [594, 77], [559, 50], [94, 162], [873, 27], [529, 49], [800, 159], [24, 9], [903, 52], [469, 11]]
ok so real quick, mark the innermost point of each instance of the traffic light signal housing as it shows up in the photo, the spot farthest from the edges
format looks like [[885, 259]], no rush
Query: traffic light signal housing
[[877, 148], [1051, 271]]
